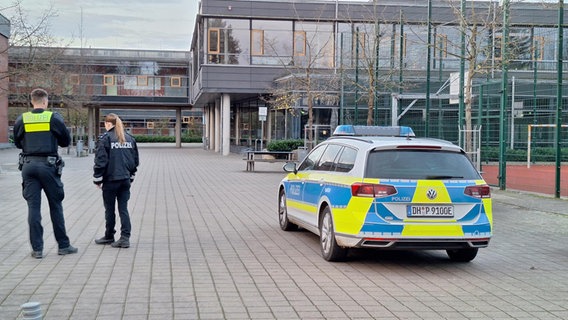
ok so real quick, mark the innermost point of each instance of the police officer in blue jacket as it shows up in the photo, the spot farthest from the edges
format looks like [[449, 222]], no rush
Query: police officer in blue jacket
[[116, 163], [39, 133]]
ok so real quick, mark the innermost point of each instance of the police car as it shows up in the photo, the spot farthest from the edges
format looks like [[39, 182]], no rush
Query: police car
[[381, 187]]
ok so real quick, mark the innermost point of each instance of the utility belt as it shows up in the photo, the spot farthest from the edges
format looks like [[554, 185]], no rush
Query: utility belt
[[51, 160]]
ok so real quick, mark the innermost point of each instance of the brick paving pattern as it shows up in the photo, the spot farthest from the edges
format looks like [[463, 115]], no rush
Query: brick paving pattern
[[206, 245]]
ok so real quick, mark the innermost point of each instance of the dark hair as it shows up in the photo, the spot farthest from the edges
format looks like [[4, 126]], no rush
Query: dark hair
[[118, 127]]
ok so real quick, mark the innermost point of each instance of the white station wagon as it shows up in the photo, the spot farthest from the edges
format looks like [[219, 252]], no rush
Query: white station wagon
[[382, 187]]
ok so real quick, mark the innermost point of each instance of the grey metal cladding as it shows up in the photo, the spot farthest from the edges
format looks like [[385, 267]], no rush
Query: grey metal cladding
[[269, 9], [235, 79]]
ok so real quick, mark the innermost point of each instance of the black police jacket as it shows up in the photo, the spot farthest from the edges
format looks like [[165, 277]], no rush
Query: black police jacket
[[115, 160]]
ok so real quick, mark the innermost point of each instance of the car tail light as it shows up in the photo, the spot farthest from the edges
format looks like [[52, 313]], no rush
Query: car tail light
[[481, 191], [372, 190]]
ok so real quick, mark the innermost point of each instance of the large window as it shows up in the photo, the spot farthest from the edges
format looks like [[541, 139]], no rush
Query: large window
[[545, 49], [357, 42], [228, 41], [313, 44], [519, 48], [416, 47], [447, 47], [518, 44], [356, 45], [271, 42]]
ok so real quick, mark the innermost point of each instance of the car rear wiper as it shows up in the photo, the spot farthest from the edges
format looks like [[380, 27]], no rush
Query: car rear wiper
[[443, 177]]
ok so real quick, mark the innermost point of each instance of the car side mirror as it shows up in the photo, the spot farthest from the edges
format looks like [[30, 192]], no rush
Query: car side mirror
[[290, 167]]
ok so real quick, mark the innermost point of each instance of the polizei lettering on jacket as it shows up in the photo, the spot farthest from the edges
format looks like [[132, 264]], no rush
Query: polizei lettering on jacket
[[118, 145]]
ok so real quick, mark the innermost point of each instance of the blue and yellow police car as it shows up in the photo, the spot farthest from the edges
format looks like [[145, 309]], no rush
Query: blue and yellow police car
[[382, 187]]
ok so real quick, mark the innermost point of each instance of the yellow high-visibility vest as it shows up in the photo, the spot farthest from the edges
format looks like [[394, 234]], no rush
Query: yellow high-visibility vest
[[37, 122]]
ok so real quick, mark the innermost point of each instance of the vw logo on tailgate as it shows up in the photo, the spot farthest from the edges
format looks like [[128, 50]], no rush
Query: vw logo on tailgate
[[431, 194]]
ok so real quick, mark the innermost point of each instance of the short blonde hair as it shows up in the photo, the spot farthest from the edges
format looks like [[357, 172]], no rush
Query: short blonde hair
[[38, 95]]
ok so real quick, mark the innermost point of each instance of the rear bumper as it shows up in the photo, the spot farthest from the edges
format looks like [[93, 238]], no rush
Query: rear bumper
[[412, 243]]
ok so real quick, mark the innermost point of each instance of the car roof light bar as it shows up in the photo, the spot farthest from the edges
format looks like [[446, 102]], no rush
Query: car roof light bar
[[373, 131]]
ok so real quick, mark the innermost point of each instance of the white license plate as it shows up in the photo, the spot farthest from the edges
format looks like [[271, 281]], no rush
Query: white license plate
[[429, 211]]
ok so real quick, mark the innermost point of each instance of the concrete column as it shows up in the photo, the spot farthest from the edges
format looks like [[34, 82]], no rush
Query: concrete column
[[212, 127], [205, 127], [268, 129], [226, 123], [217, 125], [91, 129], [178, 128], [237, 126]]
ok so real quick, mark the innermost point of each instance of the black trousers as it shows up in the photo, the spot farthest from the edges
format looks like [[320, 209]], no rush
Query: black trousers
[[113, 192], [37, 176]]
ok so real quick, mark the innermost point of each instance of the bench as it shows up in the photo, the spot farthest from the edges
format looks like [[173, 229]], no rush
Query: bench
[[266, 156]]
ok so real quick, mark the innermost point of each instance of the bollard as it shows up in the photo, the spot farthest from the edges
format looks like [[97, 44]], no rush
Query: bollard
[[31, 311], [79, 148]]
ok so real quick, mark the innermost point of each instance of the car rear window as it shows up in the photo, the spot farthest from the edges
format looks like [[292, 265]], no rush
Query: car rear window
[[420, 164]]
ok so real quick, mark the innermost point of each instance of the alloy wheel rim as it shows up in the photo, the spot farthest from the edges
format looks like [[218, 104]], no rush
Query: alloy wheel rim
[[282, 211], [326, 233]]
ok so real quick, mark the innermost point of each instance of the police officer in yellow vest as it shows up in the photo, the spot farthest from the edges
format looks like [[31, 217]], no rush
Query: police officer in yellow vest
[[38, 133]]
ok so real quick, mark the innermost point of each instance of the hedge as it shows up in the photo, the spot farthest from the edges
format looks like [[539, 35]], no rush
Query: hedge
[[537, 154], [285, 145]]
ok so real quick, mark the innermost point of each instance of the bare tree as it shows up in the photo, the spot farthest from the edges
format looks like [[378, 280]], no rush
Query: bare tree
[[37, 59], [476, 25], [360, 51], [308, 75], [31, 35]]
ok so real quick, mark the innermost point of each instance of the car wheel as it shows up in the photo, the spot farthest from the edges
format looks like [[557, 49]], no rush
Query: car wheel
[[285, 224], [462, 255], [329, 248]]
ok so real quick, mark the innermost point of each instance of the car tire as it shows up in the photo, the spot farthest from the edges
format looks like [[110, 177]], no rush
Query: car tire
[[285, 224], [462, 255], [330, 250]]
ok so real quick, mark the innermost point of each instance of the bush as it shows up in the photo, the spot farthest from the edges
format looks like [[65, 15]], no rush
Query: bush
[[285, 145], [492, 154], [519, 155]]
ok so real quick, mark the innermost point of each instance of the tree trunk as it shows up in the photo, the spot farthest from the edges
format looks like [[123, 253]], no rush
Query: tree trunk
[[371, 100], [468, 142], [310, 112]]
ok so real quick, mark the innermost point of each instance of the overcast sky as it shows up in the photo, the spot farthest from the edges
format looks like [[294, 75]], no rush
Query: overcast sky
[[119, 24], [122, 24]]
